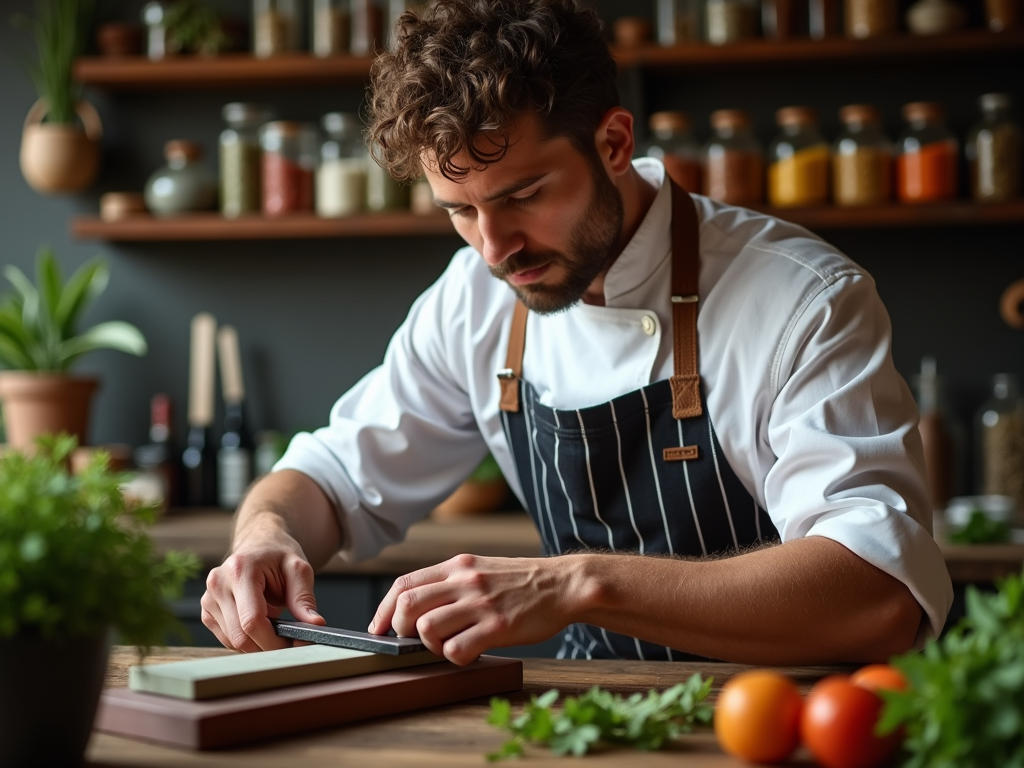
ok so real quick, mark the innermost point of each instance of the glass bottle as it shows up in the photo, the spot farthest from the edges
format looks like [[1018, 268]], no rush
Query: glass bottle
[[1000, 441], [341, 177], [927, 153], [1002, 15], [185, 184], [729, 21], [675, 146], [994, 151], [780, 19], [331, 27], [367, 20], [799, 160], [289, 159], [240, 158], [733, 160], [156, 30], [861, 158], [276, 27], [823, 18], [676, 22], [937, 435], [871, 18], [383, 191]]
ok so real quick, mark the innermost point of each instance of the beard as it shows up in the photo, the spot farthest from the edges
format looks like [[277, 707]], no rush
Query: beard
[[592, 241]]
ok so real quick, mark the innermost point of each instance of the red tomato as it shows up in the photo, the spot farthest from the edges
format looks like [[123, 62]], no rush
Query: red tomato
[[879, 677], [838, 726], [757, 717]]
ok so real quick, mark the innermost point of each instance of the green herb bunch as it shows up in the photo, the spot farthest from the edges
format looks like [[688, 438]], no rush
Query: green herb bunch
[[74, 558], [981, 529], [193, 26], [601, 717], [965, 704]]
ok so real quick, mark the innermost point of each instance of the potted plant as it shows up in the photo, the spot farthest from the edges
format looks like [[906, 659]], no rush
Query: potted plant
[[60, 142], [75, 566], [483, 491], [39, 341]]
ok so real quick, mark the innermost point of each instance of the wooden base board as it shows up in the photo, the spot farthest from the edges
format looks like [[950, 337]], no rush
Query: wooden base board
[[269, 714]]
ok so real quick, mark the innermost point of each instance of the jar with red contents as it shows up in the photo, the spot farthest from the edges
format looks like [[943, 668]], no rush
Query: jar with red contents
[[675, 146], [926, 165], [289, 162], [733, 160]]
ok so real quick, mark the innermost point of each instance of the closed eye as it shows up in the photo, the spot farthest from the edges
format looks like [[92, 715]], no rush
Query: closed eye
[[525, 200]]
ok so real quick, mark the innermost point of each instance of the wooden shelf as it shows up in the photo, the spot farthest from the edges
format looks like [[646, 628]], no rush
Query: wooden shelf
[[225, 70], [702, 55], [212, 226], [951, 214]]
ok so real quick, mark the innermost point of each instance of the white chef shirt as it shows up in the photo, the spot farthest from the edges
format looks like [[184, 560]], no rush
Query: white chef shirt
[[794, 356]]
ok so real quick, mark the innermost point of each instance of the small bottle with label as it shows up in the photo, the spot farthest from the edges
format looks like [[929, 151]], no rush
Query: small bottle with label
[[235, 456]]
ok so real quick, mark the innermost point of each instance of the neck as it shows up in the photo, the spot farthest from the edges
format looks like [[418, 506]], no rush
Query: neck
[[637, 197]]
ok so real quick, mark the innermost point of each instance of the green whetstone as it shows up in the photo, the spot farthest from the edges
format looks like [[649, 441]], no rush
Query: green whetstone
[[247, 672]]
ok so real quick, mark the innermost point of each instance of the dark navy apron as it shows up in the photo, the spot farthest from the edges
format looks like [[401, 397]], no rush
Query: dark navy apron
[[643, 473]]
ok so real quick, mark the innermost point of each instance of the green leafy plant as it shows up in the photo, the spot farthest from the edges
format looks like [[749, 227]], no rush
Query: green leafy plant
[[488, 471], [74, 559], [59, 30], [981, 529], [38, 323], [193, 26], [600, 717], [965, 704]]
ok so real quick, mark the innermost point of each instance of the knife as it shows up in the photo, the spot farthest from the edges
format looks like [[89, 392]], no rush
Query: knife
[[347, 638]]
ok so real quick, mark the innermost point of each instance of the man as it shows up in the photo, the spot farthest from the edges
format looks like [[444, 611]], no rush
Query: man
[[671, 386]]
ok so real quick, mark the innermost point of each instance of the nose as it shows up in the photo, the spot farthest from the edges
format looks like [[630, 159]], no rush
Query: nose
[[499, 236]]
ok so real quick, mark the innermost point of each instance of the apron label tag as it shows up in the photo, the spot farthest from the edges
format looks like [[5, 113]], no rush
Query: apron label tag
[[683, 453]]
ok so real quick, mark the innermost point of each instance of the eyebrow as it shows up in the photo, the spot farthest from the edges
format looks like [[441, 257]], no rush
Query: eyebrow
[[511, 189]]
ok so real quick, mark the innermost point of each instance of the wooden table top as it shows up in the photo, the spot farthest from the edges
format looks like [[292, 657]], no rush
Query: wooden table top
[[501, 534], [446, 737]]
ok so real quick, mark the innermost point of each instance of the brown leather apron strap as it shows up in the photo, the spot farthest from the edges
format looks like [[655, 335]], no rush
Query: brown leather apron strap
[[685, 285], [508, 377]]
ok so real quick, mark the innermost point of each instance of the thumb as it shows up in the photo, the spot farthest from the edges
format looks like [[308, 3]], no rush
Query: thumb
[[302, 603]]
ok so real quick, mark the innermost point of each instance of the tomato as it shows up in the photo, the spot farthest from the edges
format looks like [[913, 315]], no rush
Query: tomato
[[879, 677], [838, 725], [757, 717]]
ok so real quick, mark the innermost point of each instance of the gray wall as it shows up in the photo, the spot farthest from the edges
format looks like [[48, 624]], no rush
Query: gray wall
[[315, 315]]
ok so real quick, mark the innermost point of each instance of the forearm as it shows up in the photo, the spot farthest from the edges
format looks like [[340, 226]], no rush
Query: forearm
[[291, 503], [807, 601]]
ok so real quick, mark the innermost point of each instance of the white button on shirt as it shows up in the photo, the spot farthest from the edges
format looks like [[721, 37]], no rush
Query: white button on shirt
[[794, 356]]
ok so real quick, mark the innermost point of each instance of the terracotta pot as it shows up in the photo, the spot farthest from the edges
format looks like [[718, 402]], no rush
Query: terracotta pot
[[38, 403], [60, 158], [472, 499], [119, 39]]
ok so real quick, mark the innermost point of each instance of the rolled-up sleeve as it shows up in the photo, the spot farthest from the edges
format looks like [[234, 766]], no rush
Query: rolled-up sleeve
[[843, 427]]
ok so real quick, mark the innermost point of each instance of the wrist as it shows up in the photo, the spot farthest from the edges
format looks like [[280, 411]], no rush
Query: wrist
[[259, 526], [589, 589]]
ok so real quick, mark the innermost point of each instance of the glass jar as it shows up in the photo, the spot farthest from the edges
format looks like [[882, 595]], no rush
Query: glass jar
[[383, 191], [367, 20], [799, 160], [1000, 441], [994, 151], [861, 158], [675, 146], [823, 18], [1002, 15], [276, 27], [729, 21], [331, 27], [733, 160], [289, 159], [871, 18], [240, 158], [341, 177], [156, 30], [185, 184], [926, 155], [676, 22], [780, 19]]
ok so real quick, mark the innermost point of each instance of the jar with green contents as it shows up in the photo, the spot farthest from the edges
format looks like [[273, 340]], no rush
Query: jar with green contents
[[240, 158], [994, 151], [383, 192], [861, 158], [799, 160]]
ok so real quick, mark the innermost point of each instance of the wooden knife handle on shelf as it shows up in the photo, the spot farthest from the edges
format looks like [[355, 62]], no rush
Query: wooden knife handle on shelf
[[230, 365], [201, 370]]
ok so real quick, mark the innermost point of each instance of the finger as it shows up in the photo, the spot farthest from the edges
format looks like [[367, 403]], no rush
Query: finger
[[386, 610], [250, 618], [210, 616], [438, 626], [232, 628], [298, 590], [466, 646], [414, 603]]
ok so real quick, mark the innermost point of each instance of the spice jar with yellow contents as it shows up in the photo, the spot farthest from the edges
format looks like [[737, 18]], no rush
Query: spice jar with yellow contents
[[861, 158], [675, 146], [799, 160], [994, 151], [871, 18], [926, 163], [733, 160]]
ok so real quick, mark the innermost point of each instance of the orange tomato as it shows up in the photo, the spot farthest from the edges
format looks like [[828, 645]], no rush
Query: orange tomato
[[838, 725], [757, 717], [879, 677]]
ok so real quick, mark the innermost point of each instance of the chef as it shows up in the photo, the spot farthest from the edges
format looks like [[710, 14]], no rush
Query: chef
[[695, 402]]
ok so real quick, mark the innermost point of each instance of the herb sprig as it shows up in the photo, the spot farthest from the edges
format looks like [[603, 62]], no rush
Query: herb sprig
[[601, 717]]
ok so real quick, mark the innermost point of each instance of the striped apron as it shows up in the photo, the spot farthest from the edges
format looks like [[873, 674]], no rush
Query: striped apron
[[643, 473]]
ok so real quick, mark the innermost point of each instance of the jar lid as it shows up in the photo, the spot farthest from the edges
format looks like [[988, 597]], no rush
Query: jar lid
[[729, 118], [345, 123], [283, 127], [669, 122], [118, 205], [796, 116], [245, 112], [923, 110], [990, 102], [183, 148], [860, 113]]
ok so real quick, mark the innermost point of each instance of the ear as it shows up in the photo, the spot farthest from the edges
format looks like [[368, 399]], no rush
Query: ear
[[614, 141]]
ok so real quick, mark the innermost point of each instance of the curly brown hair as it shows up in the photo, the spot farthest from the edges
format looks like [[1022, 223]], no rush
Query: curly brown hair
[[467, 66]]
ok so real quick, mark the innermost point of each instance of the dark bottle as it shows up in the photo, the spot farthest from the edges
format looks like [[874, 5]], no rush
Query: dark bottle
[[200, 462], [200, 456], [159, 457], [235, 457]]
